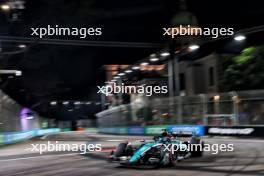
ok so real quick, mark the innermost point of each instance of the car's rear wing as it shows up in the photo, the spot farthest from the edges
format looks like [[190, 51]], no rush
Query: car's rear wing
[[182, 134]]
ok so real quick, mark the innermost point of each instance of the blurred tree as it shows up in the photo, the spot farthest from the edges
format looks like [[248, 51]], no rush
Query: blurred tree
[[244, 71]]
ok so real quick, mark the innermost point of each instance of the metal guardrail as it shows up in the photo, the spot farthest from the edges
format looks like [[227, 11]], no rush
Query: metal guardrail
[[219, 109]]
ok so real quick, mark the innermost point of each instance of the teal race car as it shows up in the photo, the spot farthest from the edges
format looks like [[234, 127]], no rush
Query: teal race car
[[164, 150]]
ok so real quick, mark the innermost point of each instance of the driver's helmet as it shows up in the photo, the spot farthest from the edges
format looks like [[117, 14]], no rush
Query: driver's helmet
[[164, 133]]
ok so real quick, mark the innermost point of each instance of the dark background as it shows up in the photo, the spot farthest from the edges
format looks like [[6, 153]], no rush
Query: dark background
[[59, 72]]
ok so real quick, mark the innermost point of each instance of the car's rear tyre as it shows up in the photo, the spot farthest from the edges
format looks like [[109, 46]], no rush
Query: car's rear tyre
[[197, 151], [120, 150], [173, 159]]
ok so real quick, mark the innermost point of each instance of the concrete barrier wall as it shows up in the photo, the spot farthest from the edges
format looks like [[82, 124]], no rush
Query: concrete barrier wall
[[239, 131], [12, 117], [13, 137], [155, 129], [200, 130]]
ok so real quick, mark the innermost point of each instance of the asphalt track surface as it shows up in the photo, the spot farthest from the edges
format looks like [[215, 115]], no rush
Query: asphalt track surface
[[17, 160]]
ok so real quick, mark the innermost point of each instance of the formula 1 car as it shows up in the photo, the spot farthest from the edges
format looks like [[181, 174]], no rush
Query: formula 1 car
[[164, 150]]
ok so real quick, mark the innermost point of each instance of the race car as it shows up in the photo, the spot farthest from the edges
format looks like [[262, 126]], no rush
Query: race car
[[164, 150]]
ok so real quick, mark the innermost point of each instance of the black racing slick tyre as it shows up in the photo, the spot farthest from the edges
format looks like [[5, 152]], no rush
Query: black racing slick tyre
[[120, 150], [173, 159], [197, 147]]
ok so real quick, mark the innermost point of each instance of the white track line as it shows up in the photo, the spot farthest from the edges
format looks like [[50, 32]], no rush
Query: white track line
[[41, 156], [115, 140]]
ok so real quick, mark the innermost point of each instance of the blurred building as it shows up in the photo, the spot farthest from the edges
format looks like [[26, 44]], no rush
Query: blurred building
[[149, 75], [200, 76], [196, 77]]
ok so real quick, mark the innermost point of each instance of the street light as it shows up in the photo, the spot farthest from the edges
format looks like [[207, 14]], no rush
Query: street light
[[154, 59], [65, 103], [165, 54], [144, 63], [77, 103], [128, 71], [193, 47], [53, 103], [216, 98], [22, 46], [18, 73], [136, 68], [239, 38], [236, 98], [5, 7], [121, 74]]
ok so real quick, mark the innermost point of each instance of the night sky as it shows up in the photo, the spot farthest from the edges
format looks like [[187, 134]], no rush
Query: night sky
[[59, 72]]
